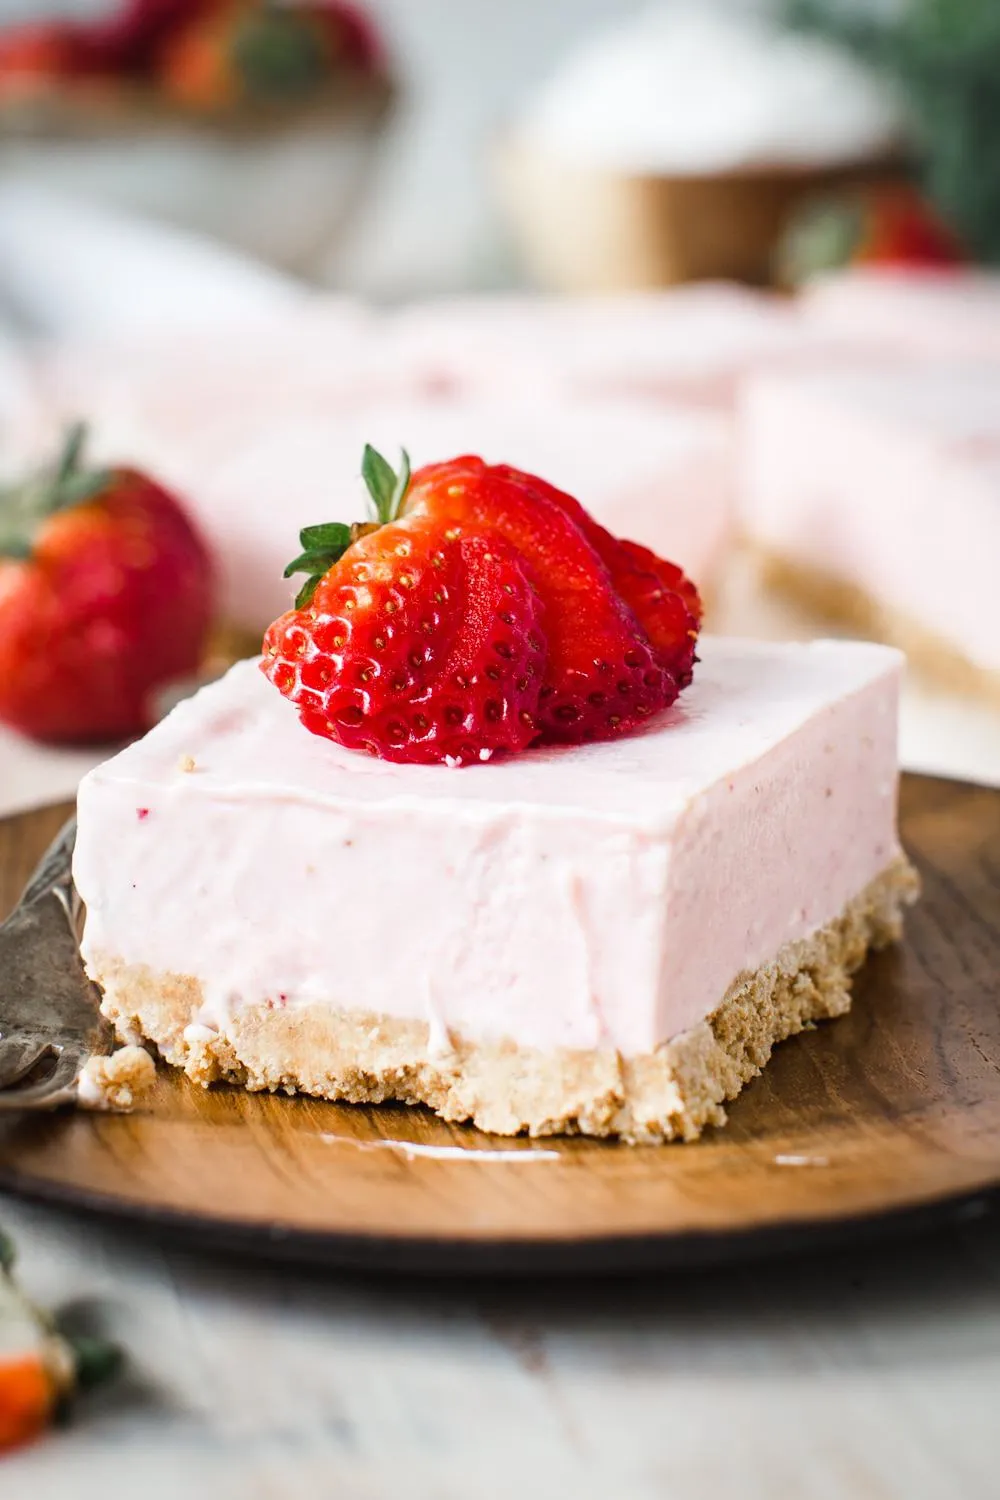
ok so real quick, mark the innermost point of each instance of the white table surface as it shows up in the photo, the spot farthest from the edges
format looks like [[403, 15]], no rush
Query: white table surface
[[855, 1375]]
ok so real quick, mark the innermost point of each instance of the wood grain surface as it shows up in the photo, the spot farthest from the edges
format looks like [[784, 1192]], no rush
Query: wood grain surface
[[895, 1108]]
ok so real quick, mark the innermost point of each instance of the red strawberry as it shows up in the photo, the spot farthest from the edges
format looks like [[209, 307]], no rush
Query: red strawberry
[[663, 600], [105, 594], [244, 52], [42, 50], [354, 39], [887, 225], [603, 675], [414, 640], [128, 40], [902, 229]]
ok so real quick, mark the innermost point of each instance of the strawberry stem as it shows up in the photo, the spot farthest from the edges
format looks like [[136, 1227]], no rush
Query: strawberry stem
[[325, 544], [95, 1360], [25, 506]]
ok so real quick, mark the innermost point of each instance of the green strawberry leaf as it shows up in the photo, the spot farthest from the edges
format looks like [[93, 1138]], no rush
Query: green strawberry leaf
[[95, 1360], [8, 1254], [306, 562], [280, 55], [325, 544], [385, 487], [26, 505], [322, 546], [323, 538], [305, 593], [77, 488]]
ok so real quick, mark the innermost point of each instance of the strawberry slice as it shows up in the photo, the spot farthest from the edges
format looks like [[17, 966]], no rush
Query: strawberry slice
[[603, 675], [665, 602]]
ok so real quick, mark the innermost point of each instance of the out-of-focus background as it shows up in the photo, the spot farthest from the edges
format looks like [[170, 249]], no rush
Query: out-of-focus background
[[723, 269]]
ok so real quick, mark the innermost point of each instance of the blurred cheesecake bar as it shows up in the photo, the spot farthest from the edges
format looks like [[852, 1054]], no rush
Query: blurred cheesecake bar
[[253, 470], [872, 497], [691, 344], [625, 401], [607, 939], [664, 479], [949, 314]]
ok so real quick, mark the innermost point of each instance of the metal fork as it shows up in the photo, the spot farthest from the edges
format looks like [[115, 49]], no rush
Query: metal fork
[[50, 1021]]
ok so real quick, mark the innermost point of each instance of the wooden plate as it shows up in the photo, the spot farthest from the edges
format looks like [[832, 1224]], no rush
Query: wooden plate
[[886, 1119]]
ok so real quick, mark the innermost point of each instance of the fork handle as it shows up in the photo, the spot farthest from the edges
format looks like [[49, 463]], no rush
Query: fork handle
[[43, 986]]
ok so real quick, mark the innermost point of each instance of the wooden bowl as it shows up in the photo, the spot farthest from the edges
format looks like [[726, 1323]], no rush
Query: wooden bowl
[[581, 229]]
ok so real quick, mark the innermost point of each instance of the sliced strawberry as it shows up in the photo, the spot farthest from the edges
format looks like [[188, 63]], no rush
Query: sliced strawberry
[[665, 602], [603, 677], [419, 644]]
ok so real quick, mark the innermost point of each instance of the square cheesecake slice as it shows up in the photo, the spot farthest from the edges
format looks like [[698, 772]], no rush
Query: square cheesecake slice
[[607, 939], [872, 496], [937, 313]]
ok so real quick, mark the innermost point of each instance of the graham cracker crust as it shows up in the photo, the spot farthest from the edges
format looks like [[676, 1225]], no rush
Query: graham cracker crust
[[847, 605], [669, 1094]]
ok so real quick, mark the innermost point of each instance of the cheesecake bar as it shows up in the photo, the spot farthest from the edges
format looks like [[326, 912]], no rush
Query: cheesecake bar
[[944, 314], [690, 344], [605, 938], [872, 496]]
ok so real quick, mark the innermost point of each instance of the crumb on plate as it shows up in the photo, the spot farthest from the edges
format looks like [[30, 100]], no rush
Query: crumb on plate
[[115, 1082]]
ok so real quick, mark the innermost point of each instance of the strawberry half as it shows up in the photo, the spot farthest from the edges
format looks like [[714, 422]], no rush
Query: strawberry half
[[105, 595], [412, 639], [604, 674]]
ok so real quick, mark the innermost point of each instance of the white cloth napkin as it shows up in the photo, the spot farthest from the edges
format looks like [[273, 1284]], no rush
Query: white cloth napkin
[[36, 775], [71, 269]]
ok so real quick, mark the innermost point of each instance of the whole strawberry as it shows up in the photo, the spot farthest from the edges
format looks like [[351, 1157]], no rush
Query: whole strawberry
[[891, 226], [127, 40], [481, 612], [105, 595], [37, 53], [258, 52]]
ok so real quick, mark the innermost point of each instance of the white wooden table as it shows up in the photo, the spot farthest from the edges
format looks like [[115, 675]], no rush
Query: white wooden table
[[859, 1375]]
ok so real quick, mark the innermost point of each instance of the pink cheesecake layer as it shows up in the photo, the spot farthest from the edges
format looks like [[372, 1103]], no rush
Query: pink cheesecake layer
[[948, 313], [603, 896], [887, 480]]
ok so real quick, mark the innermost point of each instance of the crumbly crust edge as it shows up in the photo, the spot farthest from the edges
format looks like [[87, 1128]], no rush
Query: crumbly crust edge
[[851, 607], [672, 1093]]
